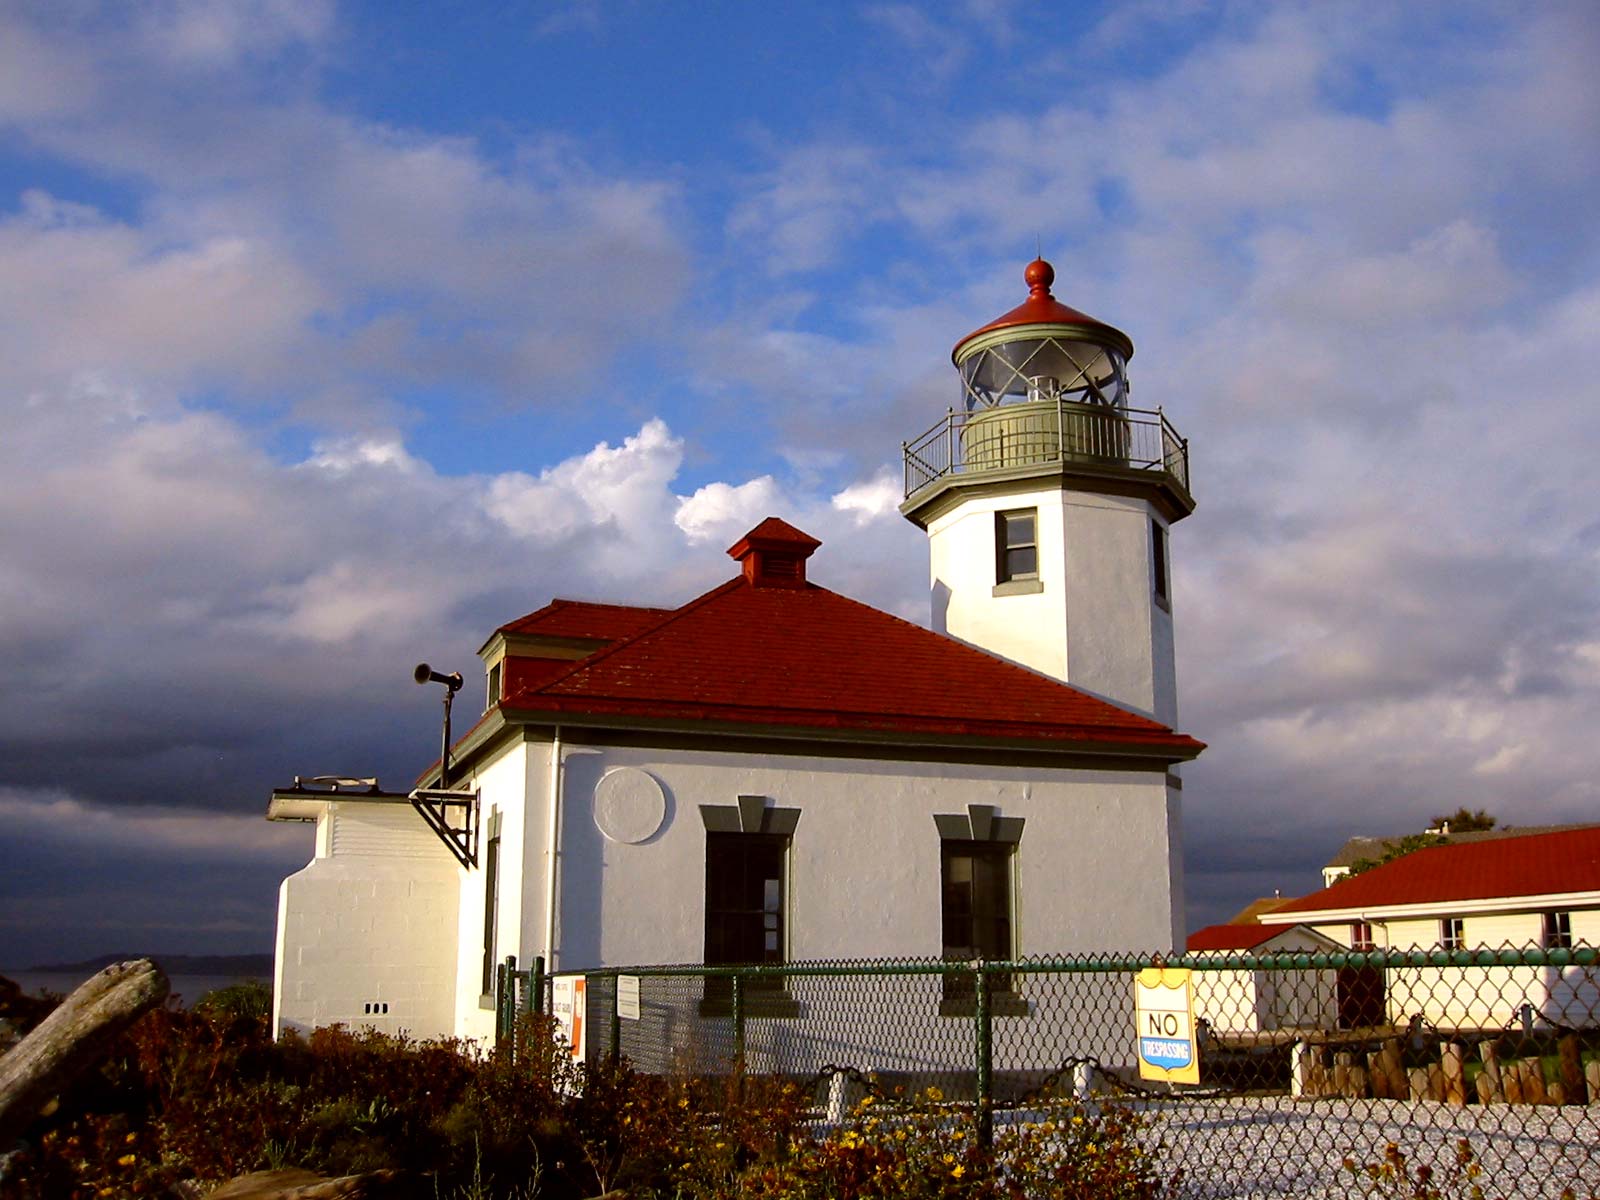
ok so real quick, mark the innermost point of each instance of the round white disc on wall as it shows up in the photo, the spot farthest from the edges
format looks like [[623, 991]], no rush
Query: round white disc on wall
[[629, 805]]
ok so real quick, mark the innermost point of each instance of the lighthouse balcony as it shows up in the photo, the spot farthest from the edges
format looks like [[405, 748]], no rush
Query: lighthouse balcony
[[1107, 447]]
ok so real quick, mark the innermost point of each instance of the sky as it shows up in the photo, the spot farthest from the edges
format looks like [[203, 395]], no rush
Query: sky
[[333, 336]]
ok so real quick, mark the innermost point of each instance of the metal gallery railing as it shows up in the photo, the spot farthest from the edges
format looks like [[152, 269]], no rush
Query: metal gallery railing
[[1046, 433], [1304, 1060]]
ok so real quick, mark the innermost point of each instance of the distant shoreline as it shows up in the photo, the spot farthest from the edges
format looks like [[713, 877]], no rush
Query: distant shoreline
[[253, 965]]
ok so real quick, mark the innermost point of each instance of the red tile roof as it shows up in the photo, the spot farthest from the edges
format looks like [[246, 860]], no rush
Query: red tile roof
[[808, 657], [581, 619], [1234, 937], [1535, 865]]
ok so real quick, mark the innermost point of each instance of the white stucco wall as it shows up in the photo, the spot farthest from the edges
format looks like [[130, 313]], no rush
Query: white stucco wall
[[367, 929], [1095, 624], [1093, 872], [502, 785]]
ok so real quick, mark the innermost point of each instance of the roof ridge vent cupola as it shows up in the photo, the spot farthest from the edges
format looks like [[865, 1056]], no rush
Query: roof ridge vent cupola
[[774, 554]]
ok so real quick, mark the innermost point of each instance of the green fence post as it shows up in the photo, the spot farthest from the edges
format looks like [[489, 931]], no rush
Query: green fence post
[[738, 1019], [616, 1021], [985, 1047], [500, 985], [536, 986], [505, 1009]]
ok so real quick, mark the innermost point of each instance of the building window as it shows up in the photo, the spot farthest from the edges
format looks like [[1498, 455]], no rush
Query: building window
[[745, 875], [1158, 563], [1557, 931], [1361, 936], [494, 684], [1452, 934], [975, 882], [1016, 545], [491, 905]]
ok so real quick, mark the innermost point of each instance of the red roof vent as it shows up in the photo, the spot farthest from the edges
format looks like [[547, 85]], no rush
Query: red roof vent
[[774, 554]]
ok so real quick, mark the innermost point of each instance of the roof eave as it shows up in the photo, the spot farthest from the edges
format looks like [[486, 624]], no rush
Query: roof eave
[[1165, 752]]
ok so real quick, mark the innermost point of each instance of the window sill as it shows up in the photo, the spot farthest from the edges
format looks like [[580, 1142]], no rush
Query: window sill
[[778, 1005], [1001, 1004], [1164, 603], [1018, 587]]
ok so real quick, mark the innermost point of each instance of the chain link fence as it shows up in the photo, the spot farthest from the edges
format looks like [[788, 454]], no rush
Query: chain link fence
[[1305, 1060]]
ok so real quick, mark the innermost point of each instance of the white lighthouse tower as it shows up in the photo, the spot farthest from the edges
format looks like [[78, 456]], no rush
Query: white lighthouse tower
[[1047, 501]]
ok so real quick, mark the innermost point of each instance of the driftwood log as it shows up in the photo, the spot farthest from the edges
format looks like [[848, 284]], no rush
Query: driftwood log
[[295, 1184], [73, 1038]]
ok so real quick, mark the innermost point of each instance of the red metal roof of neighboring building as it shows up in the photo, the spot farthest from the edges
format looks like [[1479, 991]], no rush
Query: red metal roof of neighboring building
[[1042, 308], [803, 656], [582, 619], [1234, 937], [1535, 865]]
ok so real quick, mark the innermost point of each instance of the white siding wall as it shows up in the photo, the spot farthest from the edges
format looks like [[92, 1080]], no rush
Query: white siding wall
[[1483, 997], [370, 921]]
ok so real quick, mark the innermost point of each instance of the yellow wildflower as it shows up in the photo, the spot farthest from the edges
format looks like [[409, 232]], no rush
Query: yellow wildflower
[[127, 1160], [957, 1171]]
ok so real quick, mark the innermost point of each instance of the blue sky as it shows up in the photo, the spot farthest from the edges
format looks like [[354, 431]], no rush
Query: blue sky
[[303, 301]]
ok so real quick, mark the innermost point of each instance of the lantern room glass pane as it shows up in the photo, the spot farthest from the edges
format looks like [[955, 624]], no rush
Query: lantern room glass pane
[[1043, 369]]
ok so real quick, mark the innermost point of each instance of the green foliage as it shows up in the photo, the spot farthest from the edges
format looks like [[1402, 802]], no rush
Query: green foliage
[[1464, 821], [205, 1094], [250, 1000]]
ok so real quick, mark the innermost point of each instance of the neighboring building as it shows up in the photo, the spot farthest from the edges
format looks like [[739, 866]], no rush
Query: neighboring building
[[773, 772], [1250, 1001], [1509, 891], [1360, 850]]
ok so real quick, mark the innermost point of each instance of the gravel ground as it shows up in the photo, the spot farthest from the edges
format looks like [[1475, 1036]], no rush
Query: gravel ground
[[1277, 1147]]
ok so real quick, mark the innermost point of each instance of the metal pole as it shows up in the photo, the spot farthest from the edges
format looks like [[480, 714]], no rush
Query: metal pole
[[738, 1020], [536, 985], [444, 752], [985, 1048]]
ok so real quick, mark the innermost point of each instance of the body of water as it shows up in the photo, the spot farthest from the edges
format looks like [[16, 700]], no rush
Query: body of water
[[188, 988]]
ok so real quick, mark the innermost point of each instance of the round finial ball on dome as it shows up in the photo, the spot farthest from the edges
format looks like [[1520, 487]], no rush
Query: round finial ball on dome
[[1039, 275]]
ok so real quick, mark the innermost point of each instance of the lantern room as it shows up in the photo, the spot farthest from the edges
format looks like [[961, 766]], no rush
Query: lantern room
[[1042, 351], [1046, 387]]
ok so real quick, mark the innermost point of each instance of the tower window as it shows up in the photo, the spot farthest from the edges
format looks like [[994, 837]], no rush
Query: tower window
[[494, 684], [1016, 545], [1361, 935], [1158, 563]]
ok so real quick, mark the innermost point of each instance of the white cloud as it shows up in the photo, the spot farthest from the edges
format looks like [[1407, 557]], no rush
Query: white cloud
[[720, 512], [872, 498]]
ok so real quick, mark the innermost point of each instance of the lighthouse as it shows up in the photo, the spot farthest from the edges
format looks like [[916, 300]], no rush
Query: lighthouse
[[1048, 499]]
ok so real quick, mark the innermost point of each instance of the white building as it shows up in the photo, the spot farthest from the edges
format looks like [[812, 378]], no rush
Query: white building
[[1255, 1000], [773, 772], [1518, 891]]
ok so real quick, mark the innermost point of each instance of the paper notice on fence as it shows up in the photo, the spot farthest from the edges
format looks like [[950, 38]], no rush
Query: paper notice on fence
[[569, 995], [1163, 1001], [628, 997]]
